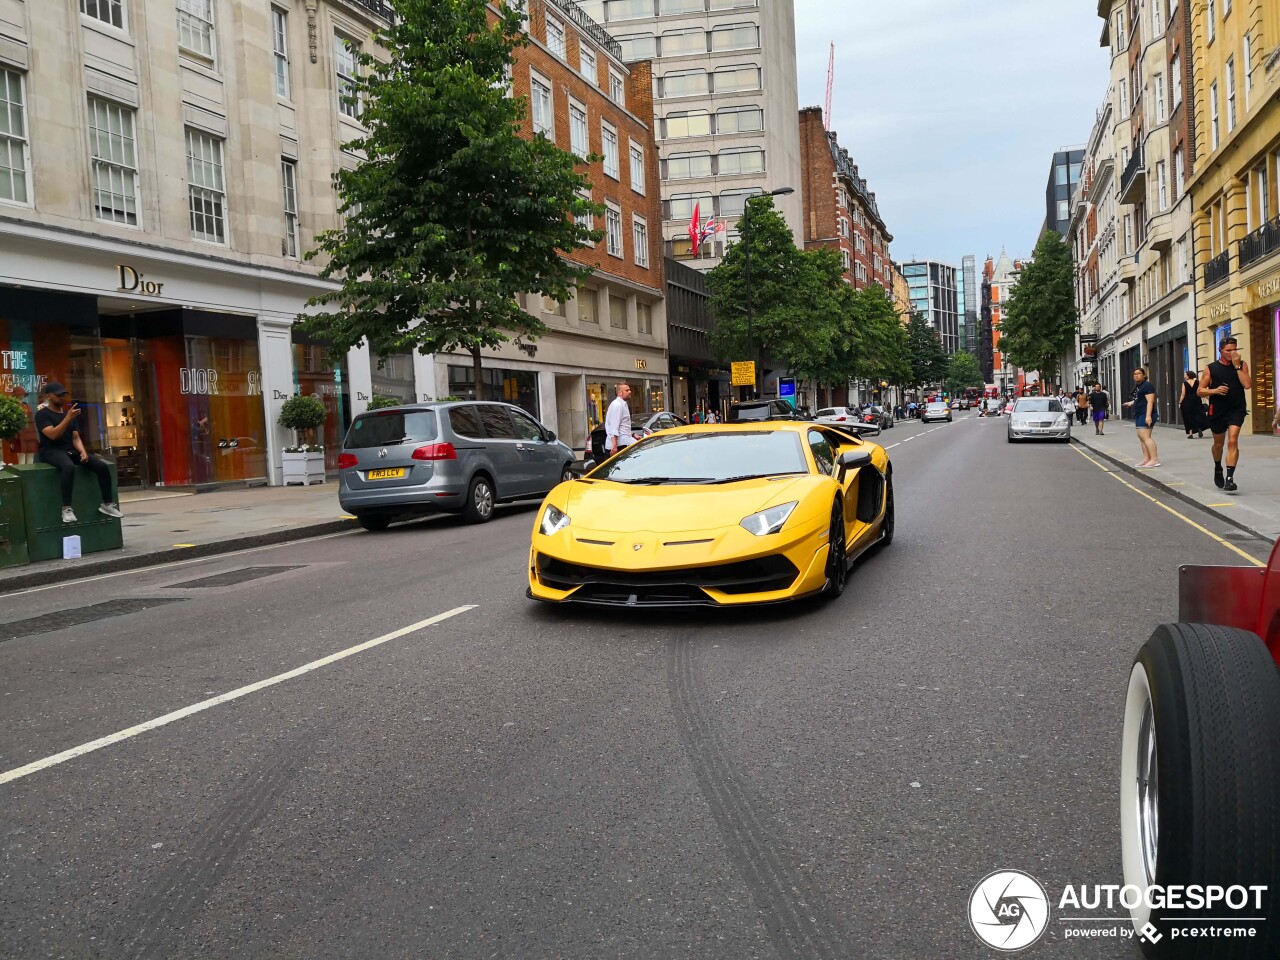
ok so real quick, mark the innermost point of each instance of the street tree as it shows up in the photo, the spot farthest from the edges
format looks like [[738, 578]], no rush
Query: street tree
[[456, 207], [963, 371], [883, 348], [926, 358], [797, 299], [1040, 317]]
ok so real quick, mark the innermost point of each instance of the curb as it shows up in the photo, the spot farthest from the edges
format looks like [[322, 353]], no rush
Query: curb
[[40, 578], [1165, 488]]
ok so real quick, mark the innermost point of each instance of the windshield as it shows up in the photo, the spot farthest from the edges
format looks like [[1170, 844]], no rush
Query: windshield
[[706, 458], [387, 428], [1037, 405]]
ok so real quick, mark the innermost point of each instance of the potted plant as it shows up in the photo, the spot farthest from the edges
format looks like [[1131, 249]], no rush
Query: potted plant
[[13, 419], [303, 461], [381, 401]]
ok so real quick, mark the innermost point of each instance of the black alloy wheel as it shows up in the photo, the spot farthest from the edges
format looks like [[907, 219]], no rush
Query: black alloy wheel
[[837, 555], [886, 525]]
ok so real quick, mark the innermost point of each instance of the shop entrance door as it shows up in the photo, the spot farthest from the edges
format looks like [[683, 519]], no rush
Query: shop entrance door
[[127, 413]]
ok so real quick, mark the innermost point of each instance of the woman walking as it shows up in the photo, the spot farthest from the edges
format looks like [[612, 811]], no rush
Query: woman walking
[[1145, 417], [1191, 406]]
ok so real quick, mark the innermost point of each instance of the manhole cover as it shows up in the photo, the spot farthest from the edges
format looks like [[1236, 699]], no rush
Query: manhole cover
[[233, 577], [70, 618]]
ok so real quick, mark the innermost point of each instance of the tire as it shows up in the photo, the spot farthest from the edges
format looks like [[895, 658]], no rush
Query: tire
[[373, 522], [1203, 712], [886, 525], [567, 473], [480, 500], [837, 557]]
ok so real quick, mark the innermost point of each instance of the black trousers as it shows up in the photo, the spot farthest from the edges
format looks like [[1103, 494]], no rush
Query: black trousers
[[66, 472]]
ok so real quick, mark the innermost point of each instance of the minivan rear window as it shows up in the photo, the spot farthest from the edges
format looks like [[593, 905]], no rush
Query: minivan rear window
[[390, 427]]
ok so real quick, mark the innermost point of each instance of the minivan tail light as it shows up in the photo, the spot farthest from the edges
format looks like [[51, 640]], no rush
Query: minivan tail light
[[346, 460], [436, 451]]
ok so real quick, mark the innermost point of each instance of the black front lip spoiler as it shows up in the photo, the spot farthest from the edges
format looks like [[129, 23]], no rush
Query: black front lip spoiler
[[672, 605]]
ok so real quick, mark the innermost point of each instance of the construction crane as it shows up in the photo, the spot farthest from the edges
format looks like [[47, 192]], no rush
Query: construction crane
[[831, 81]]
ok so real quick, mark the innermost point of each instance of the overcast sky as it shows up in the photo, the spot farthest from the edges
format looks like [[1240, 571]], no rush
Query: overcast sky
[[952, 110]]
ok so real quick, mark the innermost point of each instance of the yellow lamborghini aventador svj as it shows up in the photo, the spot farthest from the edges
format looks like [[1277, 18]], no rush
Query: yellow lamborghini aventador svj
[[715, 515]]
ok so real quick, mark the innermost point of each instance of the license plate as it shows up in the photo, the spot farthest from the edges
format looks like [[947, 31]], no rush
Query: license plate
[[390, 474]]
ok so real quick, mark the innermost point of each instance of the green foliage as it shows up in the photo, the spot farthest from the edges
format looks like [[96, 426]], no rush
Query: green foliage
[[963, 371], [13, 416], [381, 401], [883, 348], [302, 413], [455, 209], [1040, 317], [927, 361]]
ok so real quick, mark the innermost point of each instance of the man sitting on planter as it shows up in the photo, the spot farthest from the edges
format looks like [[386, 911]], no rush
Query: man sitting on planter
[[62, 448]]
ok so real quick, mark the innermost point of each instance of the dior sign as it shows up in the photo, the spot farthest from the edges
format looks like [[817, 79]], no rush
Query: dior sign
[[131, 281]]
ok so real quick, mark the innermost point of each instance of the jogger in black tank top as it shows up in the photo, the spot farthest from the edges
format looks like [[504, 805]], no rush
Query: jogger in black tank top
[[1225, 383]]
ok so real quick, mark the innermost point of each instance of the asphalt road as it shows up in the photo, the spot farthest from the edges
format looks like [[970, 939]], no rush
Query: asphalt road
[[828, 780]]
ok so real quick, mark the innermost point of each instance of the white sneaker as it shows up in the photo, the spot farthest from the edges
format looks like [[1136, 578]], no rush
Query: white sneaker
[[68, 515], [111, 510]]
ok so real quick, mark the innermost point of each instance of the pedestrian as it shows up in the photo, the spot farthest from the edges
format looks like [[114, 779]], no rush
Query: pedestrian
[[697, 416], [1191, 406], [1098, 402], [711, 417], [617, 421], [63, 449], [1145, 417], [1225, 382], [911, 409], [1082, 406]]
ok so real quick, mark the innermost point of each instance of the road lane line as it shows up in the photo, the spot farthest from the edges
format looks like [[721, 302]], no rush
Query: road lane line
[[1164, 506], [65, 755]]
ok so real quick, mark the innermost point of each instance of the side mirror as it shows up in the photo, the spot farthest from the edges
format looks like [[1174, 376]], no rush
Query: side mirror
[[853, 459], [588, 466], [551, 436]]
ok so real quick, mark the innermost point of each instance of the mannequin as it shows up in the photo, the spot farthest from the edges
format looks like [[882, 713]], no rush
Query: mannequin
[[24, 445]]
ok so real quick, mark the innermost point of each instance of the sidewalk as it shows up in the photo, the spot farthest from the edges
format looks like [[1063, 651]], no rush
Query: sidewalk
[[1187, 471], [162, 526]]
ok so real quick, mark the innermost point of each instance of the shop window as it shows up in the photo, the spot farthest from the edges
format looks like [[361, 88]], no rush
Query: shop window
[[315, 374], [519, 387], [393, 376]]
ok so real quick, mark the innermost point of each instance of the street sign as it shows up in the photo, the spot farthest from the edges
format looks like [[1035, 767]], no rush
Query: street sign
[[744, 374], [787, 389]]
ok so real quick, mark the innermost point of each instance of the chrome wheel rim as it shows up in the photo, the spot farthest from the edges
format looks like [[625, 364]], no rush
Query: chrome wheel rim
[[1147, 793], [483, 499], [567, 475]]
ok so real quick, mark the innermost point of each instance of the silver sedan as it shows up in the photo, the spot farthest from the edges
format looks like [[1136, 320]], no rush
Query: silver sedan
[[1039, 418]]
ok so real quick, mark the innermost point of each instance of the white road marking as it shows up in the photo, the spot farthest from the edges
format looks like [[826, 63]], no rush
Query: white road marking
[[65, 755], [180, 563]]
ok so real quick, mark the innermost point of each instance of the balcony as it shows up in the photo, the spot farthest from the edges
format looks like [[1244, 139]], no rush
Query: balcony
[[379, 8], [1133, 182], [587, 26], [1160, 231], [1260, 244], [1217, 269], [1129, 269]]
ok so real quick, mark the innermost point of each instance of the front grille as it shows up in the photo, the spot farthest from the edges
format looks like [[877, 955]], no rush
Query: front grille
[[745, 576]]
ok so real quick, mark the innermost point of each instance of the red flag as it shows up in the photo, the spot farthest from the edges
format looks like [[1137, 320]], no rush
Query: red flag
[[695, 227]]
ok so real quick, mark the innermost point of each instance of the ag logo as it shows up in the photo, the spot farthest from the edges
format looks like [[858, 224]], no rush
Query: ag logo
[[1009, 910]]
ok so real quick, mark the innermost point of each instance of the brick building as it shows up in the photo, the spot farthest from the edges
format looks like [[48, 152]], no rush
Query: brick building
[[839, 210]]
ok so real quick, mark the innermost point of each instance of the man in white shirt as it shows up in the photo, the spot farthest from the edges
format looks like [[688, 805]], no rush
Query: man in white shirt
[[617, 421]]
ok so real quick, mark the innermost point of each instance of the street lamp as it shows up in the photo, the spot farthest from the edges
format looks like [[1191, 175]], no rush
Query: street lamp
[[743, 225]]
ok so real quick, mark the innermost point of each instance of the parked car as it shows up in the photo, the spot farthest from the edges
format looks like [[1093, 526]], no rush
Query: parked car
[[1039, 418], [937, 410], [749, 410], [641, 428], [1200, 760], [848, 419], [882, 417], [460, 457]]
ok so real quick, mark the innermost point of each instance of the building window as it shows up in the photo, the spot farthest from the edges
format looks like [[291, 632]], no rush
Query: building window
[[1213, 115], [734, 202], [1248, 69], [1162, 185], [680, 207], [13, 139], [640, 241], [1124, 98], [636, 156], [346, 56], [738, 36], [685, 166], [587, 66], [609, 143], [1160, 98], [618, 313], [1231, 94], [740, 120], [677, 43], [644, 318], [289, 176], [617, 89], [846, 260], [733, 79], [555, 38], [746, 160], [1213, 20], [683, 83], [587, 306], [640, 46], [195, 26], [108, 11], [1226, 9], [540, 101], [613, 230], [1120, 44], [114, 158], [578, 129], [586, 218], [842, 227], [206, 188], [693, 123], [1157, 17], [1179, 173], [280, 49]]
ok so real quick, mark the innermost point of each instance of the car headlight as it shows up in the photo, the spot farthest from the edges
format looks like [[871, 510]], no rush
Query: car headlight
[[1062, 421], [768, 521], [553, 520]]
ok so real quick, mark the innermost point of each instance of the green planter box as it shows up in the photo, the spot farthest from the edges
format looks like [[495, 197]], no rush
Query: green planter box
[[13, 523], [43, 503]]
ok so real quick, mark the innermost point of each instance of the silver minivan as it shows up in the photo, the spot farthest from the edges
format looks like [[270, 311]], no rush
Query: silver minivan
[[457, 456]]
